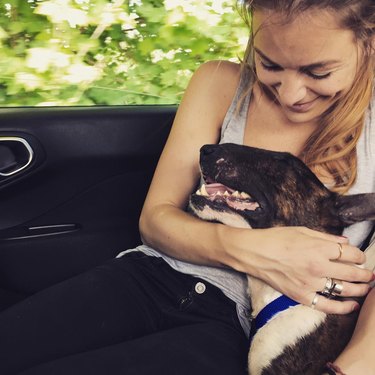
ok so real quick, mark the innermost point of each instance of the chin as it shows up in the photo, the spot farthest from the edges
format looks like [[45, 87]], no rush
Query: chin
[[301, 118], [313, 115]]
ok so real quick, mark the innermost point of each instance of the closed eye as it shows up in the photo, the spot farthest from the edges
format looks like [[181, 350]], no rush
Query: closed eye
[[271, 67], [316, 75], [277, 68]]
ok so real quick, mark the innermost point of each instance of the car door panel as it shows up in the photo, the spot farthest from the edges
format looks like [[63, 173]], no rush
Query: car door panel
[[78, 201]]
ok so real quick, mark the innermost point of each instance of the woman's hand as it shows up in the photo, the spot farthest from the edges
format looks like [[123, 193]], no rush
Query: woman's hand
[[297, 262]]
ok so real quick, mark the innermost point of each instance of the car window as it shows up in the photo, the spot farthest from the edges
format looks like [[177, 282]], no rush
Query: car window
[[111, 52]]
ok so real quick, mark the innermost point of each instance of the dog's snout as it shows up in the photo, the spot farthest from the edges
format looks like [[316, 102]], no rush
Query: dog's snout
[[208, 149]]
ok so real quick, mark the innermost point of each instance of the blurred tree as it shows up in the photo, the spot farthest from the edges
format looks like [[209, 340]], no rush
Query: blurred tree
[[111, 52]]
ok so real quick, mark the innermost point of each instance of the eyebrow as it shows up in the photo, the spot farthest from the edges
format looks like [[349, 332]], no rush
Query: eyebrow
[[317, 65]]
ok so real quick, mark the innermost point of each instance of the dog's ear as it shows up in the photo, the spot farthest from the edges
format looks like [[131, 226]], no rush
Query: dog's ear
[[354, 208]]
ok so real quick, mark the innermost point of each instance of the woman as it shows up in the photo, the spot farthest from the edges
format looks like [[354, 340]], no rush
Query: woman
[[313, 66], [177, 305]]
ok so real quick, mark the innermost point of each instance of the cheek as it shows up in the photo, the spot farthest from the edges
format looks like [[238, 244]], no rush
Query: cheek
[[330, 86], [326, 88]]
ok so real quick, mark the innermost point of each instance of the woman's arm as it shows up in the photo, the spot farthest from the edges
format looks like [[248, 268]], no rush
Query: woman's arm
[[163, 224], [294, 261], [357, 359]]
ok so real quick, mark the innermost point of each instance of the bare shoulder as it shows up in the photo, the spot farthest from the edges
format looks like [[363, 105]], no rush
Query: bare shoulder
[[213, 85], [198, 121], [220, 70], [221, 77]]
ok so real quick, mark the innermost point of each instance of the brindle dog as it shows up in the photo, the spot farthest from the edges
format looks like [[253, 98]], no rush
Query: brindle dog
[[254, 188]]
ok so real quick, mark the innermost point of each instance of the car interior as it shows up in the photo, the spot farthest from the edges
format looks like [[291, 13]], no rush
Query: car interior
[[72, 182], [89, 92]]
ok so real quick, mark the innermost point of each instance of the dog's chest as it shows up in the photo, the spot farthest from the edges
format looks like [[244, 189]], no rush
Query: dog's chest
[[285, 329]]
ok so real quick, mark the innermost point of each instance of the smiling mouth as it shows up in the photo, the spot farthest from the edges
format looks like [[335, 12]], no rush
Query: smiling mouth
[[303, 107], [216, 192], [305, 103]]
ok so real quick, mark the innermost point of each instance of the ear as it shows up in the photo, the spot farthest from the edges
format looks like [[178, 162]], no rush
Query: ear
[[354, 208]]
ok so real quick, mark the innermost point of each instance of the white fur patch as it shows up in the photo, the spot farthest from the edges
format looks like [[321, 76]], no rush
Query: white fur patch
[[261, 294], [228, 218], [284, 329]]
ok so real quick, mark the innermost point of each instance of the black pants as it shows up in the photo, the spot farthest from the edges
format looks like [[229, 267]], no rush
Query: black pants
[[131, 316]]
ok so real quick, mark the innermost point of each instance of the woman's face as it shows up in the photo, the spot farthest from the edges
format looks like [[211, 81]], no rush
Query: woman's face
[[306, 63]]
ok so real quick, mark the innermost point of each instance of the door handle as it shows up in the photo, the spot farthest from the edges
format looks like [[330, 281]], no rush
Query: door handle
[[16, 154]]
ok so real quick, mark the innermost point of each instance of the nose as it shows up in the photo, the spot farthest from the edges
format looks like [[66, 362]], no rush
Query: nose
[[291, 89], [208, 149]]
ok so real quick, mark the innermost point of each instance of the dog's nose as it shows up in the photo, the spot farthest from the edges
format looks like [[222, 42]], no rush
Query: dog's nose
[[208, 149]]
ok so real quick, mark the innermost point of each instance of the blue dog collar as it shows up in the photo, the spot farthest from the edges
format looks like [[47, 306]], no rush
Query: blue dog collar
[[269, 311]]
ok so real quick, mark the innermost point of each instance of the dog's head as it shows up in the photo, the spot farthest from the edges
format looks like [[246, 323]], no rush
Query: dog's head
[[246, 186]]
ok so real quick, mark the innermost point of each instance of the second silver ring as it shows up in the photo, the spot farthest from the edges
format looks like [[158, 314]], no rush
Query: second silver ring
[[327, 290]]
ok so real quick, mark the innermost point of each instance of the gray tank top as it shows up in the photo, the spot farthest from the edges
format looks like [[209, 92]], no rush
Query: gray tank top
[[233, 283]]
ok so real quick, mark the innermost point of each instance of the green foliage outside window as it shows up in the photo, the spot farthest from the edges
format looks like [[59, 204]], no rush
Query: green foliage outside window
[[111, 52]]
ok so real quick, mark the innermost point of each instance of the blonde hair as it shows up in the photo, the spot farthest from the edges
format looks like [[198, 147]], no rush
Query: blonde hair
[[332, 147]]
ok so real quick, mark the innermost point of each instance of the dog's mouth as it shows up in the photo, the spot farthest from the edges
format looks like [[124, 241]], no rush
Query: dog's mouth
[[219, 193]]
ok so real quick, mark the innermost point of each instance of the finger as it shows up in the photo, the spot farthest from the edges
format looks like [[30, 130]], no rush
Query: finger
[[348, 289], [354, 290], [351, 273], [328, 306], [340, 252]]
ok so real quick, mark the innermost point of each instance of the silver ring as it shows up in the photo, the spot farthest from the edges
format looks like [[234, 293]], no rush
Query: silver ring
[[336, 288], [314, 301], [328, 286]]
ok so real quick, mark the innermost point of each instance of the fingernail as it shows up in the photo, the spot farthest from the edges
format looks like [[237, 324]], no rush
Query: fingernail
[[342, 238], [356, 307]]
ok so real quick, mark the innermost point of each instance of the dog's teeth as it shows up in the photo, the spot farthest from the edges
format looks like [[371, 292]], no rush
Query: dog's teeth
[[198, 192], [245, 195], [219, 193], [226, 194], [236, 194], [204, 191]]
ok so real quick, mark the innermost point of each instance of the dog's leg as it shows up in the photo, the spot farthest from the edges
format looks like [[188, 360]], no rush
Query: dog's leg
[[261, 294]]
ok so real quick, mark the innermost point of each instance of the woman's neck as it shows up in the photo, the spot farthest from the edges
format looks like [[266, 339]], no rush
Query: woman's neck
[[268, 128]]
